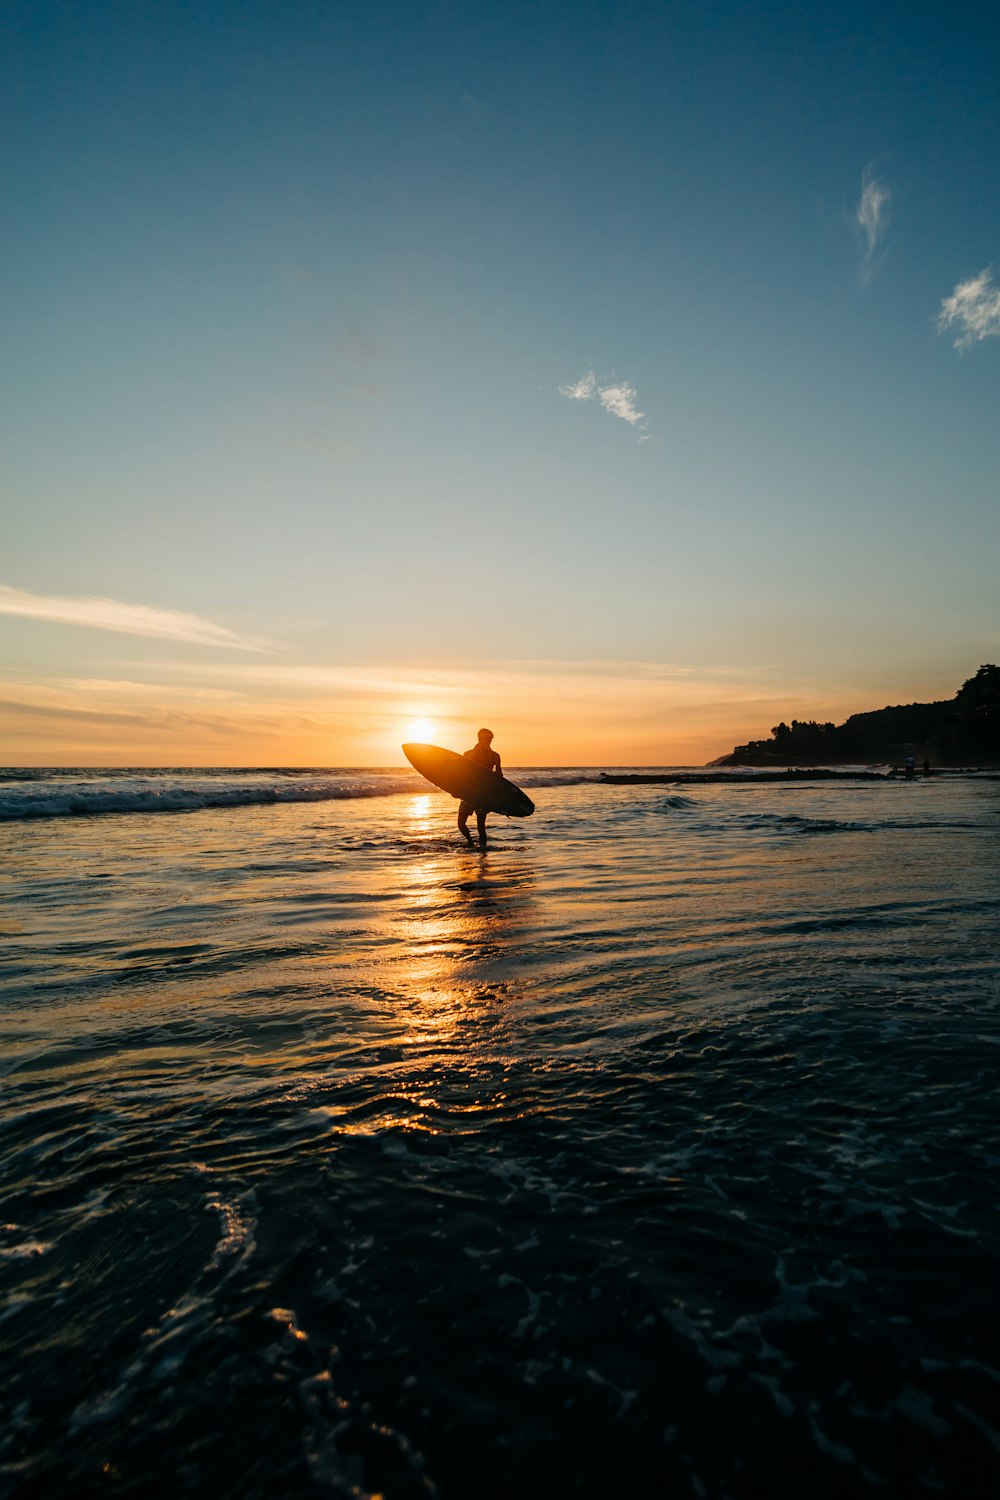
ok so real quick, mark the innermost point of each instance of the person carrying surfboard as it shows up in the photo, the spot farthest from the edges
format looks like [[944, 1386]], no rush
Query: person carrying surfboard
[[483, 756]]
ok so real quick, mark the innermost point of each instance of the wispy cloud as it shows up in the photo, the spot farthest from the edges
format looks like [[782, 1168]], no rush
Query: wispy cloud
[[583, 389], [617, 398], [521, 681], [125, 619], [872, 217], [972, 312], [27, 709]]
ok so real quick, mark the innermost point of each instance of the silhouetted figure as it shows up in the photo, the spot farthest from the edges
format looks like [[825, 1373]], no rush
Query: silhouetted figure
[[483, 756], [927, 766], [909, 767]]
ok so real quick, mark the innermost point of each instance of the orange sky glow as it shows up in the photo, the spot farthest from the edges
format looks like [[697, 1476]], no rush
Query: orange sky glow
[[542, 713]]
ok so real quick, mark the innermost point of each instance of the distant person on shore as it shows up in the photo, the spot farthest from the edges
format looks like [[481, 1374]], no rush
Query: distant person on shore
[[483, 756], [927, 766], [910, 767]]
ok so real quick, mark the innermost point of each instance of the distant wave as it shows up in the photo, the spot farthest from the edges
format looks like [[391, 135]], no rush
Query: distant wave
[[794, 823], [61, 795], [91, 801]]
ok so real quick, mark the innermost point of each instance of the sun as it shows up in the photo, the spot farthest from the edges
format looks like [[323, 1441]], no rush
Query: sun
[[420, 731]]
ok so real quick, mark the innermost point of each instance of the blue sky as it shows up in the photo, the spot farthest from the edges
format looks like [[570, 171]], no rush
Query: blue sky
[[299, 302]]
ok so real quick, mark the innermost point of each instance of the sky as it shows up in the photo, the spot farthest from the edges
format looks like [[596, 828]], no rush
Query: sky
[[623, 377]]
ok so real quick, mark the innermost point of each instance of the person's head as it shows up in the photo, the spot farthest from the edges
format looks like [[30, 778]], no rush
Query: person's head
[[485, 735]]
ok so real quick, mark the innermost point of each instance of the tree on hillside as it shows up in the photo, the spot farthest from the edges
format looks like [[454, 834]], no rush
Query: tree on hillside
[[976, 729], [979, 698]]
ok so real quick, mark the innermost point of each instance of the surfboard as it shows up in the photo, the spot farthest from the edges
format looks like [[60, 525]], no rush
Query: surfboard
[[465, 779]]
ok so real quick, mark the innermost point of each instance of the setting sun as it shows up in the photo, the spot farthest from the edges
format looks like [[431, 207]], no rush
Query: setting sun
[[421, 731]]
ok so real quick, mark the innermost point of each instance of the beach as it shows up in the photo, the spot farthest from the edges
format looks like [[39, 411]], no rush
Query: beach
[[651, 1150]]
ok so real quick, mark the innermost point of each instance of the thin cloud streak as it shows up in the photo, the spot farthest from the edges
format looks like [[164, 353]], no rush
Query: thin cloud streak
[[122, 618], [76, 715], [972, 311], [872, 217], [872, 212], [618, 399], [517, 676]]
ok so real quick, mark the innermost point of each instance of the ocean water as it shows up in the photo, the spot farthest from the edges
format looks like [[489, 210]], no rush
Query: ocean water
[[652, 1151]]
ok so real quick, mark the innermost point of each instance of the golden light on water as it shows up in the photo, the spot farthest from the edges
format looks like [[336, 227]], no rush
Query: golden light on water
[[452, 922], [421, 811]]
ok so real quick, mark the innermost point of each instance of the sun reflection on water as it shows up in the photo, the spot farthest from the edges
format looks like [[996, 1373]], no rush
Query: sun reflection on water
[[454, 927]]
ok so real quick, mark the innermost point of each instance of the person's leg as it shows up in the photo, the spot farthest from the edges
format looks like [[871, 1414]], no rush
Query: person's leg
[[464, 809], [481, 825]]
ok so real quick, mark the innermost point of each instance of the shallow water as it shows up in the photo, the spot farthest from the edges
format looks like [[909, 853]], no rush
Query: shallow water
[[653, 1149]]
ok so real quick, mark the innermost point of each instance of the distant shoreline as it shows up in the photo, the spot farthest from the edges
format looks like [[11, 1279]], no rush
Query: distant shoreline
[[694, 778], [949, 733]]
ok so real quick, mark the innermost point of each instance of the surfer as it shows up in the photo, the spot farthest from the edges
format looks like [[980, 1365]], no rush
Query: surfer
[[483, 756]]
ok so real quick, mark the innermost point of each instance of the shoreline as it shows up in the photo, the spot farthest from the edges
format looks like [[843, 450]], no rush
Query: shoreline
[[694, 778]]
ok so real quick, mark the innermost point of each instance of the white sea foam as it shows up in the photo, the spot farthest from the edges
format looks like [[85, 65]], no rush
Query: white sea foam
[[71, 794]]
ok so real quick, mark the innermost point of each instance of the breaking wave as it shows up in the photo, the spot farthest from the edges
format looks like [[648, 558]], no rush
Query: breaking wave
[[54, 794]]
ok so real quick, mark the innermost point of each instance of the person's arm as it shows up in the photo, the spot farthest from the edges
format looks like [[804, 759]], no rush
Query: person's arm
[[496, 765]]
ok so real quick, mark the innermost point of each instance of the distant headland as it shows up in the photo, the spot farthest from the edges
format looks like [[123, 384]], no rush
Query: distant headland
[[959, 731]]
